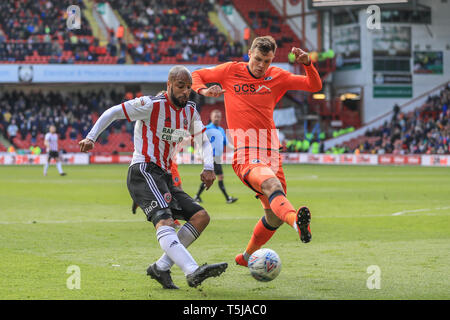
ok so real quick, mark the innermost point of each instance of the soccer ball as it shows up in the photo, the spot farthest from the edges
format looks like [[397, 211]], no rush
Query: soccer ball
[[264, 265]]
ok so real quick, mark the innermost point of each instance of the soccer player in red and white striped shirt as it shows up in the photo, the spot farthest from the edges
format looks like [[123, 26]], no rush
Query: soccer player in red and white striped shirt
[[161, 123]]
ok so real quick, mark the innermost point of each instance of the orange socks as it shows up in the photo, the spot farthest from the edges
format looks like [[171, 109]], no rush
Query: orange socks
[[282, 208], [261, 234]]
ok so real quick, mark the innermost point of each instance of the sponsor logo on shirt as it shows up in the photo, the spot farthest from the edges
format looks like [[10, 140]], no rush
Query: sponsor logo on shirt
[[173, 135], [250, 89]]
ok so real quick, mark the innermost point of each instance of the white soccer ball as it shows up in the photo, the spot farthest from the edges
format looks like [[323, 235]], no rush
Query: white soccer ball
[[264, 265]]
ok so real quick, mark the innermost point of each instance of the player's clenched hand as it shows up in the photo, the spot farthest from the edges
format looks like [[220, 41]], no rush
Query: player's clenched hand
[[301, 56], [213, 91], [86, 145], [208, 177]]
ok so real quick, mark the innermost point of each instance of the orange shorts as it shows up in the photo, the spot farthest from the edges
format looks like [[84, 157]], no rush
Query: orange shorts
[[254, 167], [175, 175]]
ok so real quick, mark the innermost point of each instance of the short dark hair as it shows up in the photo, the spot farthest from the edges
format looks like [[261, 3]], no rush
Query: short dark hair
[[264, 44]]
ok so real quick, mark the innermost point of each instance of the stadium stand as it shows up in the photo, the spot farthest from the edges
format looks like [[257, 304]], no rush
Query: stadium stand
[[181, 35], [162, 34], [426, 130], [35, 32], [264, 19], [73, 113]]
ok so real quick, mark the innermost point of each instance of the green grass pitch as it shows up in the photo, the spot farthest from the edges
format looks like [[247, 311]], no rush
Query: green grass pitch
[[396, 218]]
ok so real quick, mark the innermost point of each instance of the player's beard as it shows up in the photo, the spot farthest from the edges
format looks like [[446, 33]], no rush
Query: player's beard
[[175, 101]]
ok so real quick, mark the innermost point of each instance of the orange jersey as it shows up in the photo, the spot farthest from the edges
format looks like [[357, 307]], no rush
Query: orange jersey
[[250, 101]]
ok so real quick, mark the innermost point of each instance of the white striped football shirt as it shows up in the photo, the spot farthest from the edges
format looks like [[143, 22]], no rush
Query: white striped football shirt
[[52, 139], [160, 127]]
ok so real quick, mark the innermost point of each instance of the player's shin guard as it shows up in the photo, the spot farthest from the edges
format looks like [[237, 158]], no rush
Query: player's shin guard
[[261, 234], [187, 234], [282, 208], [170, 243]]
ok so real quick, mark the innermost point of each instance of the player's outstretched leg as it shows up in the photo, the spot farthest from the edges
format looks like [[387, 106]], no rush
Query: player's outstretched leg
[[163, 277], [187, 234], [274, 197], [284, 210], [303, 221], [204, 272], [170, 243], [261, 235]]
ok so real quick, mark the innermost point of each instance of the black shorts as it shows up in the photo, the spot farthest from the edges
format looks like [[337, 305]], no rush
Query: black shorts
[[53, 154], [218, 168], [152, 189]]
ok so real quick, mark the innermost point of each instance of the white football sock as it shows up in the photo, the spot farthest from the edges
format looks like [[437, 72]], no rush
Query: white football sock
[[59, 166], [170, 243], [45, 169], [187, 234]]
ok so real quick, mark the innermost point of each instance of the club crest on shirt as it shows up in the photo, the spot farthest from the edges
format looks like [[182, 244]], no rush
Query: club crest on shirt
[[168, 197], [139, 102]]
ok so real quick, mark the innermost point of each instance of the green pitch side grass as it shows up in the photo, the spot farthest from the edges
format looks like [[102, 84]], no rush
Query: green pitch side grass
[[396, 218]]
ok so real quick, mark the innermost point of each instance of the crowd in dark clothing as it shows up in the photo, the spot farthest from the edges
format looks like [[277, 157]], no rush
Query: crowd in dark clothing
[[71, 113], [33, 28], [23, 19], [39, 28], [183, 23], [426, 130]]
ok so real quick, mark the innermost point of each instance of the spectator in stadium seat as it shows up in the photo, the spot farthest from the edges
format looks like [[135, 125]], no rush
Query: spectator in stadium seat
[[12, 131], [34, 134], [73, 134]]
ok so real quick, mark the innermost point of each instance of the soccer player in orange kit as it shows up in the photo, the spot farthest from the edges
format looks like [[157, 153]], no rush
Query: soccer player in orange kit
[[251, 91]]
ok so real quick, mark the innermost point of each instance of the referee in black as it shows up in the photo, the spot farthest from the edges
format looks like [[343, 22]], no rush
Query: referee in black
[[219, 141]]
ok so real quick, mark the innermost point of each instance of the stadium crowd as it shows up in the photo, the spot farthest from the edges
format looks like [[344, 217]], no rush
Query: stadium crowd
[[183, 23], [177, 28], [426, 130], [38, 28], [28, 115]]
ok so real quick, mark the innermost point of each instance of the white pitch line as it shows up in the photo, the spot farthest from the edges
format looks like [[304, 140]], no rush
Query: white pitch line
[[221, 218], [419, 210], [102, 221]]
